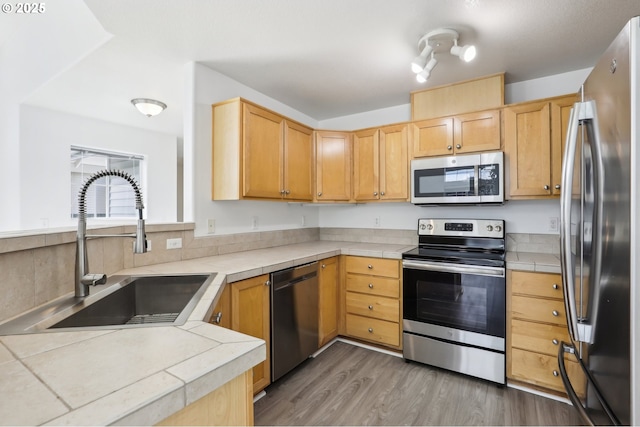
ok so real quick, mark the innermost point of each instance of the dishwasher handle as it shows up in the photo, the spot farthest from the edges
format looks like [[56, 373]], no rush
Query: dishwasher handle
[[292, 282], [291, 276]]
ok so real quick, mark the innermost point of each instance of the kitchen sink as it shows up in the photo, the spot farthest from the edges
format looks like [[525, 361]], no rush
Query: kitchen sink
[[133, 301]]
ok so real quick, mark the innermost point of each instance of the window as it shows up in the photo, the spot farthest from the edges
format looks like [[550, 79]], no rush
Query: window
[[108, 197]]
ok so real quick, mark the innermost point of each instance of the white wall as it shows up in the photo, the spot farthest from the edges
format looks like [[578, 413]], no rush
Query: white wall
[[203, 88], [34, 51], [45, 140], [521, 216]]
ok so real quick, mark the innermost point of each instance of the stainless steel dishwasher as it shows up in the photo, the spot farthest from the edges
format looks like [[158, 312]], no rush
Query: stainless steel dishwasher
[[294, 317]]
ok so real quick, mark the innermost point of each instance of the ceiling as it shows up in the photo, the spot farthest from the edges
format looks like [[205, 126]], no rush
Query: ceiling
[[324, 58]]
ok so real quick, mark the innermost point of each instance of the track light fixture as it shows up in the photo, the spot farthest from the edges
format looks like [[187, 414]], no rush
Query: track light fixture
[[424, 75], [438, 41]]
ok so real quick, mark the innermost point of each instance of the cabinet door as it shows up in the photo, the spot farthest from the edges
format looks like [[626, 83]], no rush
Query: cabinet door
[[366, 165], [250, 315], [528, 149], [298, 162], [222, 312], [394, 163], [328, 300], [560, 111], [476, 132], [333, 166], [433, 137], [262, 153]]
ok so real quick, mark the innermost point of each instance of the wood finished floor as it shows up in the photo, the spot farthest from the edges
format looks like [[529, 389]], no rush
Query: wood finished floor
[[351, 385]]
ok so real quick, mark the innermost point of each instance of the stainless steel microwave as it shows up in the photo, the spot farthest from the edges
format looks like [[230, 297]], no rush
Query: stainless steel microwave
[[467, 178]]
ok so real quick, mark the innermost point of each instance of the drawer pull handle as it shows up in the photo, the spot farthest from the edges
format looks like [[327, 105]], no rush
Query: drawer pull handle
[[370, 267], [555, 373], [555, 313], [555, 286], [370, 307], [554, 341], [370, 330], [458, 146], [319, 193], [267, 283], [370, 285], [324, 265], [217, 318]]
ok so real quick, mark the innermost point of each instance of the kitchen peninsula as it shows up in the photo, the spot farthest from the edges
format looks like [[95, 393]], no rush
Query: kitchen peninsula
[[144, 375]]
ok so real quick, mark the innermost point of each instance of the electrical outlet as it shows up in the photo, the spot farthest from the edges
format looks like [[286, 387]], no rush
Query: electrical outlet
[[553, 223], [254, 223], [211, 226], [376, 221], [174, 243]]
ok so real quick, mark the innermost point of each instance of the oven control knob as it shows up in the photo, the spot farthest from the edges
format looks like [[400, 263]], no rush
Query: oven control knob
[[498, 228], [489, 227], [423, 226], [429, 227]]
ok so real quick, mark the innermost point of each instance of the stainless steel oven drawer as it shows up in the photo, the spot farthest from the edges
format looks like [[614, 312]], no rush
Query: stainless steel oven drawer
[[485, 364]]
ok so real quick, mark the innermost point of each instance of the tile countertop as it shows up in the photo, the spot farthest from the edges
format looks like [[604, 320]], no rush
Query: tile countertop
[[140, 376], [528, 261]]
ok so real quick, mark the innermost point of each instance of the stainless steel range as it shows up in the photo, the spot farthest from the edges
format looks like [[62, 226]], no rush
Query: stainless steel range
[[454, 297]]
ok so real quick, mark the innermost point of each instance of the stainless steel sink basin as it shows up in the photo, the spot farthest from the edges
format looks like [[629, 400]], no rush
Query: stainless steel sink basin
[[132, 301]]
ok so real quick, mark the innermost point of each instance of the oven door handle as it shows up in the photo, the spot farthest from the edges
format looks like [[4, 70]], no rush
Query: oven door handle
[[454, 268]]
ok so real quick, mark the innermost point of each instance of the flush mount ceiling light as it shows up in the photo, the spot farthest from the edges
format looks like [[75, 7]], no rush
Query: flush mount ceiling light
[[438, 41], [149, 107]]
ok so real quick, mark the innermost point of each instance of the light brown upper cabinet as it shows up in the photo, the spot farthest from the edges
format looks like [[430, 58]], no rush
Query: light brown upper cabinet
[[560, 111], [464, 133], [380, 164], [333, 166], [534, 135], [258, 154]]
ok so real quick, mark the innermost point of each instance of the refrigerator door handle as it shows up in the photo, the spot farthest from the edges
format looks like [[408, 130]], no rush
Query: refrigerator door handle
[[566, 261], [573, 396]]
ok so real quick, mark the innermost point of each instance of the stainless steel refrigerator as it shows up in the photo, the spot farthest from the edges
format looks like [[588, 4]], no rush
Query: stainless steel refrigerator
[[598, 218]]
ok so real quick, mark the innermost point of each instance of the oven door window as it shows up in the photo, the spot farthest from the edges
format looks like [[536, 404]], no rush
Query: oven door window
[[445, 182], [467, 302]]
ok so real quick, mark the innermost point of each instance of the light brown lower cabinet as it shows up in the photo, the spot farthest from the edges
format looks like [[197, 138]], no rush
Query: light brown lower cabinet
[[371, 300], [244, 307], [328, 307], [250, 304], [536, 326], [229, 405]]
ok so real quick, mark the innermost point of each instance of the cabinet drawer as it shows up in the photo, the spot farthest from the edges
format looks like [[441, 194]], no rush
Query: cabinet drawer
[[538, 310], [373, 266], [375, 330], [537, 284], [372, 285], [374, 306], [538, 337], [541, 370]]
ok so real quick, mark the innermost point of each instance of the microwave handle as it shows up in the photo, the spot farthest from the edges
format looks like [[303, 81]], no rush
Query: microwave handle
[[476, 179]]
